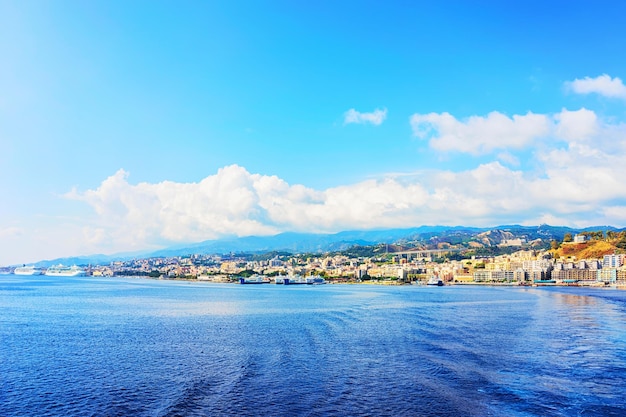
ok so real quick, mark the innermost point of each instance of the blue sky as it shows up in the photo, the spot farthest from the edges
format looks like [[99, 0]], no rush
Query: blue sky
[[134, 125]]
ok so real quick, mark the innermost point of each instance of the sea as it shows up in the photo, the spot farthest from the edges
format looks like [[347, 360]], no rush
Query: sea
[[140, 347]]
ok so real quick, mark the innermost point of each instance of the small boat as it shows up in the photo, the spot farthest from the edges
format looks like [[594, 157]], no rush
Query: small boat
[[28, 270]]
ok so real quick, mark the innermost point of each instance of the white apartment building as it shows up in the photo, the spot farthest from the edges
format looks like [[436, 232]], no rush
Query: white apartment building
[[612, 261]]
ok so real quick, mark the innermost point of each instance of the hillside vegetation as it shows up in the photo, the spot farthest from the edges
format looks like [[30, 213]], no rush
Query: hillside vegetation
[[591, 249]]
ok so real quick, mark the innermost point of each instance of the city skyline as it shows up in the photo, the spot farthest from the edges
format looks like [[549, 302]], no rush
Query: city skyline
[[127, 127]]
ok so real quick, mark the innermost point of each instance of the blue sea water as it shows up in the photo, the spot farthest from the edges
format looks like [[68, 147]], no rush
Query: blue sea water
[[139, 347]]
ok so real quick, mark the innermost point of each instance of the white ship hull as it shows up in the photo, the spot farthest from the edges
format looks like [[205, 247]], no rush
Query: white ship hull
[[299, 280], [27, 270], [65, 271], [66, 274], [255, 279]]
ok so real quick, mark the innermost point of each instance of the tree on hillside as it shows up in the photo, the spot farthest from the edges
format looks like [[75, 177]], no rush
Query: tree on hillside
[[567, 237], [594, 235], [554, 245]]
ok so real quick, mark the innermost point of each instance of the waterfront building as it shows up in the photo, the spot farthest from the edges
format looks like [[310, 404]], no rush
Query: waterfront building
[[573, 274], [612, 261], [503, 276], [539, 274], [519, 275], [607, 275], [463, 277], [482, 275]]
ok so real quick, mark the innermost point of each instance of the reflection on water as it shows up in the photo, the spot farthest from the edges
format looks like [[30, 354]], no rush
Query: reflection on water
[[158, 348]]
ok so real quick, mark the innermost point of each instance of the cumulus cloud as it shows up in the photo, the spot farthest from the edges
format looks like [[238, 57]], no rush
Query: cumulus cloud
[[479, 135], [223, 204], [576, 125], [376, 117], [236, 202], [577, 179], [577, 187], [603, 85]]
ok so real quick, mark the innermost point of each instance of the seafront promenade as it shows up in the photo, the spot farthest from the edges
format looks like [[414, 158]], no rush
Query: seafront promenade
[[524, 267], [590, 259]]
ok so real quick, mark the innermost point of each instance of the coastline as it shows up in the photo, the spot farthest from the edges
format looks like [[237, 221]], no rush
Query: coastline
[[386, 283], [235, 280]]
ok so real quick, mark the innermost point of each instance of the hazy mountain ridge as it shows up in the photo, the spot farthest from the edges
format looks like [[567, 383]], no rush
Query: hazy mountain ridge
[[423, 237]]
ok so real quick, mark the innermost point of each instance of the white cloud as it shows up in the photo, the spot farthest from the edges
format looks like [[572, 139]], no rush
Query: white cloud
[[222, 204], [479, 135], [576, 125], [603, 85], [616, 212], [376, 117], [577, 180], [577, 187]]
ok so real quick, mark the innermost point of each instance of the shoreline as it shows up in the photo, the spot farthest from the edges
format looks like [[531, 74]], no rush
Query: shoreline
[[385, 283]]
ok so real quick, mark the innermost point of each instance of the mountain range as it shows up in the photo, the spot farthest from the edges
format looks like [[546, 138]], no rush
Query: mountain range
[[417, 237]]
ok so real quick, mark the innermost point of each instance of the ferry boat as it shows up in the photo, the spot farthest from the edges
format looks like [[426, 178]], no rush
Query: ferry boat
[[435, 281], [294, 280], [299, 280], [289, 279], [315, 280], [28, 270], [254, 279], [66, 271]]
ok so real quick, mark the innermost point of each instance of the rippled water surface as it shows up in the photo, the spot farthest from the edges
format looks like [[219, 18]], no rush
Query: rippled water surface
[[117, 347]]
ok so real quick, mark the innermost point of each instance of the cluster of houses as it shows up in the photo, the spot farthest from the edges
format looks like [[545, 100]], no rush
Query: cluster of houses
[[525, 267]]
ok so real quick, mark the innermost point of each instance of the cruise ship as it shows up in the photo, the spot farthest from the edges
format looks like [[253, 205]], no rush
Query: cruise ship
[[66, 271], [28, 270]]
